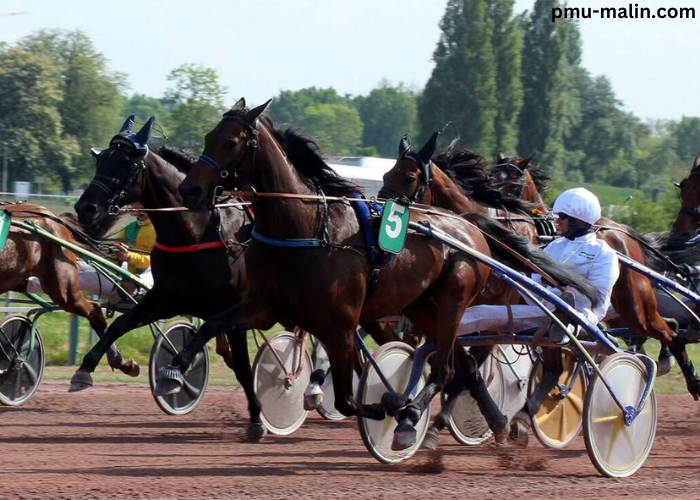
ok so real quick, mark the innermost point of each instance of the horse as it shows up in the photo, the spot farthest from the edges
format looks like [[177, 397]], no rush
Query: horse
[[188, 243], [687, 223], [308, 262], [633, 297], [28, 255]]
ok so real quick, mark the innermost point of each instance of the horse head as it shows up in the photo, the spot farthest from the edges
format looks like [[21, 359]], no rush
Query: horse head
[[228, 156], [687, 223], [118, 177], [412, 175]]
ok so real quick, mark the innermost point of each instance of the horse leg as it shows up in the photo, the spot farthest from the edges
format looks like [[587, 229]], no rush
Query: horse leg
[[240, 364], [152, 308], [223, 349], [243, 316], [61, 283], [313, 395], [677, 348]]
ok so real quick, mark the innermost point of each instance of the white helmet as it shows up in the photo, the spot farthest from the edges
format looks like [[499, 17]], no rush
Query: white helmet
[[578, 203]]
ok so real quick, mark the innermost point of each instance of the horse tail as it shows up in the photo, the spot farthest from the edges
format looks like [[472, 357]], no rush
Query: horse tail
[[562, 274]]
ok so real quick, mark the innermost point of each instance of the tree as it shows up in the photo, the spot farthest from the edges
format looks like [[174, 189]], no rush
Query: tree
[[92, 100], [687, 135], [462, 87], [551, 51], [387, 114], [322, 114], [196, 103], [507, 48], [30, 121]]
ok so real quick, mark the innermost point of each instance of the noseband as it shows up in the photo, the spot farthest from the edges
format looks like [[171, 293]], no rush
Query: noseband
[[520, 184], [250, 145]]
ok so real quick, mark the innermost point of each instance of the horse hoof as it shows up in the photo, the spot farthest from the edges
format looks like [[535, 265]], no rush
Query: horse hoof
[[130, 368], [255, 433], [313, 397], [431, 441], [518, 434], [80, 380], [393, 402], [404, 437], [168, 381]]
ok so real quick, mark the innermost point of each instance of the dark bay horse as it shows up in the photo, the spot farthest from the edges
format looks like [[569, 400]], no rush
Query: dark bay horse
[[308, 263], [197, 263], [633, 296], [687, 223], [26, 255]]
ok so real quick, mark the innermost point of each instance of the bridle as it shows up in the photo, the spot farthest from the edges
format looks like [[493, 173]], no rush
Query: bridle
[[521, 183], [694, 212], [116, 187], [426, 182], [251, 146]]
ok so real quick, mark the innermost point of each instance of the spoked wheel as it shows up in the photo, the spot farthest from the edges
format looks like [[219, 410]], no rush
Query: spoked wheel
[[395, 360], [327, 407], [560, 418], [282, 397], [21, 360], [466, 423], [618, 450], [196, 377]]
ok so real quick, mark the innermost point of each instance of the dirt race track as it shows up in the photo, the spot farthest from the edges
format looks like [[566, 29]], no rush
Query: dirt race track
[[112, 442]]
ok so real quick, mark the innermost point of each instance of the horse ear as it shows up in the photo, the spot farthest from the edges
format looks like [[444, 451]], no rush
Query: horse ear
[[95, 152], [144, 134], [696, 164], [526, 162], [403, 145], [500, 157], [128, 125], [254, 113], [428, 150], [240, 105]]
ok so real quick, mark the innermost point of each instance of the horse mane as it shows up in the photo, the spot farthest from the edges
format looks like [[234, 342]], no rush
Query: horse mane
[[180, 158], [541, 179], [469, 171], [305, 155]]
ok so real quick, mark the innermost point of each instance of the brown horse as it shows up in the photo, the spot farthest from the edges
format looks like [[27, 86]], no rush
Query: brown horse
[[26, 255], [633, 296], [687, 224], [323, 286]]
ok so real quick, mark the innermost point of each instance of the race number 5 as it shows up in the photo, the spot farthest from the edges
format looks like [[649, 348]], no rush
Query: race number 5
[[394, 227]]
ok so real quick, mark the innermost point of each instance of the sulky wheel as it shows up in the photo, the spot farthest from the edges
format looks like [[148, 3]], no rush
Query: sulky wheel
[[327, 407], [395, 360], [616, 449], [280, 385], [466, 423], [560, 418], [21, 360], [196, 376]]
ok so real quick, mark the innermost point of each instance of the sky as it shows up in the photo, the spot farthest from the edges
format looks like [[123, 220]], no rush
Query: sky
[[259, 47]]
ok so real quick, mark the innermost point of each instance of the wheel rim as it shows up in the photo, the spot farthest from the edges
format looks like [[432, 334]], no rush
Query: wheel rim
[[395, 361], [615, 449], [466, 422], [196, 377], [559, 420], [21, 374], [282, 407]]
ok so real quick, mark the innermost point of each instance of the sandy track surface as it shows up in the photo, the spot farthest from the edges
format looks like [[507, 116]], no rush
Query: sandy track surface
[[112, 442]]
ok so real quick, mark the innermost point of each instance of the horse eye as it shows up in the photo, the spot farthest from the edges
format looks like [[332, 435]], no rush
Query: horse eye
[[231, 144], [411, 179]]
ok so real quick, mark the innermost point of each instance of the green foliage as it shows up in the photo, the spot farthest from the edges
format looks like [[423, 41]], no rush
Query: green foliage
[[687, 136], [92, 96], [550, 53], [196, 103], [30, 121], [143, 107], [462, 87], [645, 216], [323, 115], [387, 114]]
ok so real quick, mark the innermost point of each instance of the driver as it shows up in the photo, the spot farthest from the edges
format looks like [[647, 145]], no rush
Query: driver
[[578, 210]]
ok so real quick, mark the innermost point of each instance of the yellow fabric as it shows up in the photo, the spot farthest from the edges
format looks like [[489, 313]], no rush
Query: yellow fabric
[[145, 240]]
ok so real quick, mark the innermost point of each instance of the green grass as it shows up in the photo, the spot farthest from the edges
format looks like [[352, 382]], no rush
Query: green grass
[[607, 195]]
